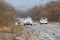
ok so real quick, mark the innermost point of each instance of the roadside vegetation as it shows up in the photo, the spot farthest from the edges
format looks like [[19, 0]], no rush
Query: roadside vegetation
[[10, 29], [7, 18], [2, 38], [7, 14]]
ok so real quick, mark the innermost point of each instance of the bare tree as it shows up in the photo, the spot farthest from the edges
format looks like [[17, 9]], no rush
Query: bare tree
[[7, 13], [51, 10]]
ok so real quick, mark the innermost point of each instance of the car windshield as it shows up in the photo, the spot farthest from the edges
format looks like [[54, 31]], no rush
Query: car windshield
[[43, 18]]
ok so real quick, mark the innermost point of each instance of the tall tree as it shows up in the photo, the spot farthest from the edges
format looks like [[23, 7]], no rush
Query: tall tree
[[51, 10], [7, 13]]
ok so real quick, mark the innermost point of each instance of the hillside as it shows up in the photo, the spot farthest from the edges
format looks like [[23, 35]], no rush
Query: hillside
[[7, 13]]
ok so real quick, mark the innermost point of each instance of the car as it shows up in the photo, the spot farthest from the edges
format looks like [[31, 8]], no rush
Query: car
[[28, 21], [43, 20], [19, 21]]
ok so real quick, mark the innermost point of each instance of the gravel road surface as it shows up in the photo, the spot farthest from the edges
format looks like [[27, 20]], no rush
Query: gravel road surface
[[52, 30]]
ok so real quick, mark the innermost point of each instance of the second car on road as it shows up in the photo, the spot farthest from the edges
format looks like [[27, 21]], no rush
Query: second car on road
[[28, 21], [43, 20]]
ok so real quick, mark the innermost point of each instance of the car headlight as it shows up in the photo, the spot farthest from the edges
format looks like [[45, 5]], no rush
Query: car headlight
[[31, 22], [24, 21]]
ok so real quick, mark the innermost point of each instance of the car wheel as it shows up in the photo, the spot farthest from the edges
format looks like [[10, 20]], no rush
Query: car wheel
[[24, 24], [31, 24], [45, 23], [40, 23]]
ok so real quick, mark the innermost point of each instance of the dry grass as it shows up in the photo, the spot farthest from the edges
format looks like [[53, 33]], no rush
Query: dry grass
[[10, 28], [2, 38], [17, 28]]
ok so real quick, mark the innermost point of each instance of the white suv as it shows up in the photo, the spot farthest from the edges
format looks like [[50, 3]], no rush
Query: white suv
[[43, 20], [28, 21]]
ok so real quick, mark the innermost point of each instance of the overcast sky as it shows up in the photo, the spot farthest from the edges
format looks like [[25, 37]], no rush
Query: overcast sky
[[26, 4]]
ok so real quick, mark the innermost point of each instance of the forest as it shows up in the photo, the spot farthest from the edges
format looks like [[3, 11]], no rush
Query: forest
[[51, 10]]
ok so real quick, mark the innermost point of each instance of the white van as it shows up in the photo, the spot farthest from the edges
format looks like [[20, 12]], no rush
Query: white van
[[43, 20], [19, 21]]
